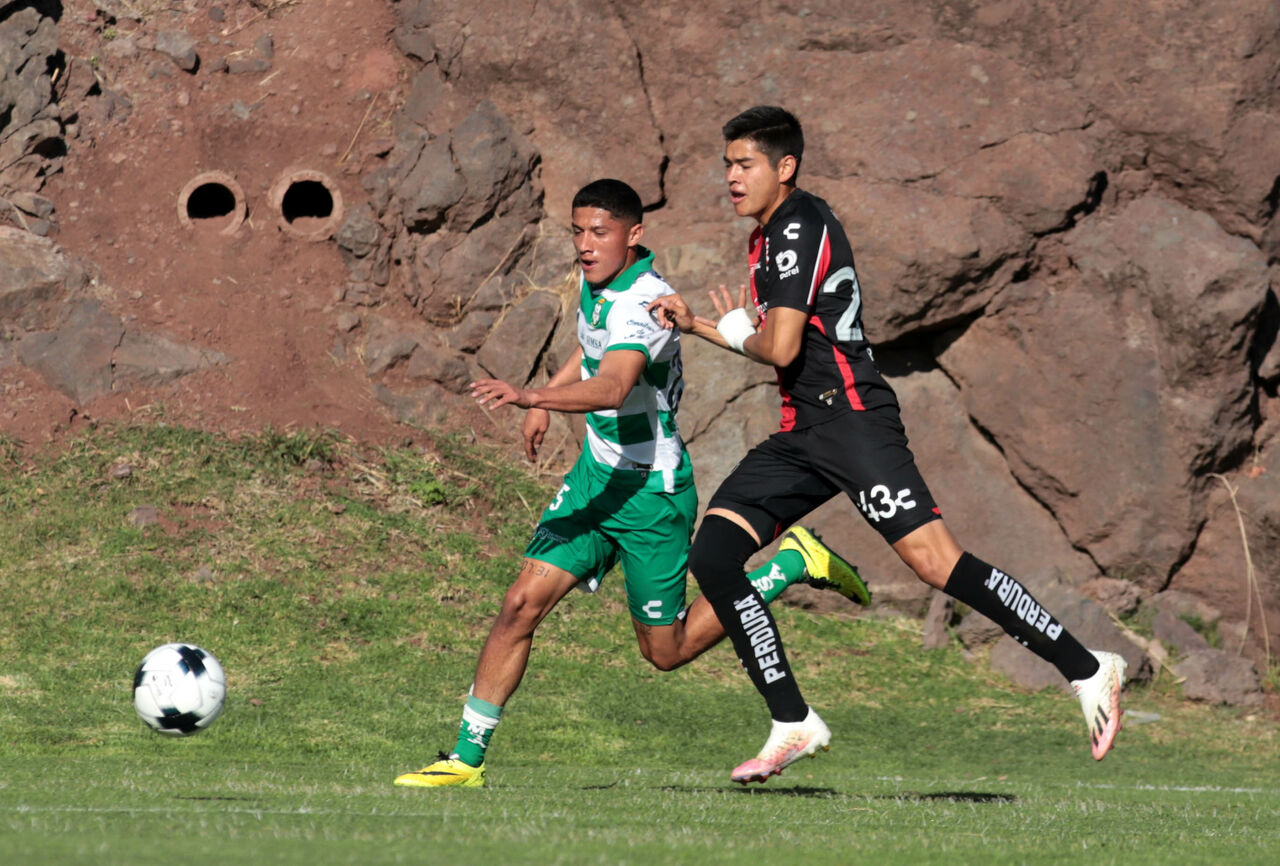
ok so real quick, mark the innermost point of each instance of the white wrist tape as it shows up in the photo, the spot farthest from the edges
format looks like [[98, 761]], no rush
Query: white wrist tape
[[735, 326]]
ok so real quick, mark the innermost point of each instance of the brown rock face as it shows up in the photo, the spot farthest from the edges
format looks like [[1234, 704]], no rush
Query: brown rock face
[[465, 203], [30, 134], [1060, 208], [1108, 405], [1064, 214]]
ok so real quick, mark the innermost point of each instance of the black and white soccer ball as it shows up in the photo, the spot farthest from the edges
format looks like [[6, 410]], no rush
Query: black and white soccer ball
[[179, 689]]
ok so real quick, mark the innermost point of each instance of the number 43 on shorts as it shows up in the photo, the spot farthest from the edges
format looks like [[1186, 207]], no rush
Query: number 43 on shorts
[[880, 504]]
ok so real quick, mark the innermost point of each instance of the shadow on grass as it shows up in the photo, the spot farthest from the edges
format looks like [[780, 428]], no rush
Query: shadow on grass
[[831, 793], [827, 793], [776, 792], [953, 796]]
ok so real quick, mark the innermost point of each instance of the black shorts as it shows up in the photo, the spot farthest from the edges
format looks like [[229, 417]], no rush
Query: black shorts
[[864, 454]]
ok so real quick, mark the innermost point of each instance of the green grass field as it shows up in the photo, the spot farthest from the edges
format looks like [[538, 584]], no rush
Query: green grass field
[[346, 593]]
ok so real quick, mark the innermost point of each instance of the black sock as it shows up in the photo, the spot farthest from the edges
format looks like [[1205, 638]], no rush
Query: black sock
[[718, 561], [1006, 602]]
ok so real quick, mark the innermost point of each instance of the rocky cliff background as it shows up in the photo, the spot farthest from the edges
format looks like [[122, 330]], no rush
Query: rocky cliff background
[[1063, 214]]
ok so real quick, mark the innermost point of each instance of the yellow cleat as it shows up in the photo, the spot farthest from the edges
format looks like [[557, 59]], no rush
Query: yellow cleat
[[826, 570], [446, 771]]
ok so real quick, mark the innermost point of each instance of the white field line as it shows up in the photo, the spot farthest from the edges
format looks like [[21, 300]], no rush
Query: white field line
[[22, 809], [1098, 786], [1186, 789]]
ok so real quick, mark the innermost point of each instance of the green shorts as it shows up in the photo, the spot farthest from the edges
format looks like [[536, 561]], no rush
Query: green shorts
[[601, 517]]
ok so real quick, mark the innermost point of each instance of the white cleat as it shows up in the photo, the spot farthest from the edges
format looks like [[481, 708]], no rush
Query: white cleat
[[788, 742], [1100, 699]]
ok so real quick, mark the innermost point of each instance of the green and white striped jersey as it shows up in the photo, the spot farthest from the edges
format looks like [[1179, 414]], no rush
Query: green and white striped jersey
[[642, 433]]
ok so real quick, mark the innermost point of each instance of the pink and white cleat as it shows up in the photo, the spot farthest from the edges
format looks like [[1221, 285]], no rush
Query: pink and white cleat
[[1100, 699], [788, 742]]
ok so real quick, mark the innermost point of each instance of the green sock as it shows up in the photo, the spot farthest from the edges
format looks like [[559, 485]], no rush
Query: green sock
[[777, 574], [479, 718]]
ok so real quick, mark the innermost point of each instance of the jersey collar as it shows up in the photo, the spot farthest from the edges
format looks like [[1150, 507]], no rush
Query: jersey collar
[[784, 207]]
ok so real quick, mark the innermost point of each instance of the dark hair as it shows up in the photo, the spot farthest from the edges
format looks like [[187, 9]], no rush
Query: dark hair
[[614, 196], [774, 131]]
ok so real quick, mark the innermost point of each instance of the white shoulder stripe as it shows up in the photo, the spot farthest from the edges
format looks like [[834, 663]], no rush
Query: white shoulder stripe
[[817, 266]]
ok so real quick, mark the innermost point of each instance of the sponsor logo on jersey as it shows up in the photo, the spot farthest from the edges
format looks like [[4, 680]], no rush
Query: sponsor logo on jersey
[[1017, 600], [786, 263], [792, 232], [639, 330], [764, 640]]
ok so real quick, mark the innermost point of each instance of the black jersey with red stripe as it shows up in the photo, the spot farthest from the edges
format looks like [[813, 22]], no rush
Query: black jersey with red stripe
[[801, 259]]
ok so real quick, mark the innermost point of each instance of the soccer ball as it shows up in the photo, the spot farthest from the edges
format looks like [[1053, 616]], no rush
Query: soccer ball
[[179, 689]]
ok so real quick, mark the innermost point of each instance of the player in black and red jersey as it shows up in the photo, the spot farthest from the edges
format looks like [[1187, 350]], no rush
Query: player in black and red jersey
[[841, 432]]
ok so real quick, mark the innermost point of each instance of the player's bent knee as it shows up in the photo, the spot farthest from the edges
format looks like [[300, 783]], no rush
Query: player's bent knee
[[663, 660], [932, 568], [931, 552], [660, 647], [520, 612], [925, 565], [719, 555]]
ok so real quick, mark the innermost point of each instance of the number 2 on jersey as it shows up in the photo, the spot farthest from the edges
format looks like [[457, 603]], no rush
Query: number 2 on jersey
[[846, 331]]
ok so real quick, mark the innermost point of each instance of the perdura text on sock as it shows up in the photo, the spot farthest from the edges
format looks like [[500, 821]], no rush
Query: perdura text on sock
[[764, 640], [1021, 603]]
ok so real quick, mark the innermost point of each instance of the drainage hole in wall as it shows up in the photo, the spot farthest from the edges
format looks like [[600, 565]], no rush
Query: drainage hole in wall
[[306, 200], [210, 201]]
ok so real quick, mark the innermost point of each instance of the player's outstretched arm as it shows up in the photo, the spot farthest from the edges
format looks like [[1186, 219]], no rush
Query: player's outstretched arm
[[673, 311], [777, 343], [735, 327], [607, 389], [495, 392]]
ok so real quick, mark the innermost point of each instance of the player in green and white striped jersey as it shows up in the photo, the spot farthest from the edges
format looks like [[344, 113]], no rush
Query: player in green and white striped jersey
[[630, 497], [641, 434]]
